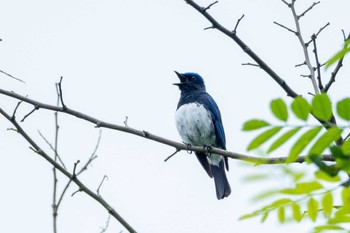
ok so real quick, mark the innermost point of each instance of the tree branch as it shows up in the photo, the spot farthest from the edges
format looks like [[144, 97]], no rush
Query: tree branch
[[245, 48], [73, 177], [144, 134], [304, 46]]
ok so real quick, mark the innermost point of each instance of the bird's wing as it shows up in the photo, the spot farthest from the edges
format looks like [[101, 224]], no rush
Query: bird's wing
[[212, 107]]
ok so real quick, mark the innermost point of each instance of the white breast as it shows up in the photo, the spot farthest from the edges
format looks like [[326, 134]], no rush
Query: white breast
[[195, 125]]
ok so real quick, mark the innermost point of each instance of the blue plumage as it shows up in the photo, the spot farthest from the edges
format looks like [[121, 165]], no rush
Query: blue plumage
[[199, 123]]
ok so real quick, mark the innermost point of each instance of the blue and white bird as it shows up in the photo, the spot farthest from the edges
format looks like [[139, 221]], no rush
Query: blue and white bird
[[198, 121]]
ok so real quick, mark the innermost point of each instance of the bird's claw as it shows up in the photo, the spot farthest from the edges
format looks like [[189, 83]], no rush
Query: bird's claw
[[208, 149], [188, 147]]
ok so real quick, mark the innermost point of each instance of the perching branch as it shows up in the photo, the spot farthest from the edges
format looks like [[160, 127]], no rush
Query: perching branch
[[72, 177], [141, 133], [246, 49]]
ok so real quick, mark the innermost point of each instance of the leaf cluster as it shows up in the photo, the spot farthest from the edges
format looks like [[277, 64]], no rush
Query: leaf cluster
[[308, 198]]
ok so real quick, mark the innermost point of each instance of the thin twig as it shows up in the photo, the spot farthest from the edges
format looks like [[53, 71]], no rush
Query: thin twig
[[30, 113], [210, 5], [170, 156], [319, 31], [250, 64], [14, 111], [308, 9], [126, 121], [61, 93], [11, 76], [287, 28], [52, 148], [104, 229], [238, 21], [301, 64], [318, 65], [93, 155], [103, 179]]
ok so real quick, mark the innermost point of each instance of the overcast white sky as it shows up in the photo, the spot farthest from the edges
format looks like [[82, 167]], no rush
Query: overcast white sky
[[117, 58]]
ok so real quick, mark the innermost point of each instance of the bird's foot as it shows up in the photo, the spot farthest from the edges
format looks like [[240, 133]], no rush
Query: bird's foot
[[208, 149], [189, 147]]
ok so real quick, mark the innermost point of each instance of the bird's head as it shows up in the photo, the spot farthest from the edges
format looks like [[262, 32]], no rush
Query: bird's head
[[190, 82]]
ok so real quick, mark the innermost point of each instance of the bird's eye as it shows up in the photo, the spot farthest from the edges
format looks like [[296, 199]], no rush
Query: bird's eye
[[193, 78]]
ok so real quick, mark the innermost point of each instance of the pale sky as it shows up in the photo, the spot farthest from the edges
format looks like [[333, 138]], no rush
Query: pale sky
[[117, 59]]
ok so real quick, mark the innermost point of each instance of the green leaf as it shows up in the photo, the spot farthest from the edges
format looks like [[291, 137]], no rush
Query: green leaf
[[264, 217], [281, 140], [327, 228], [251, 215], [301, 108], [345, 195], [339, 55], [327, 204], [325, 141], [346, 147], [326, 172], [281, 214], [254, 124], [277, 204], [265, 195], [296, 212], [279, 109], [301, 143], [263, 137], [255, 177], [339, 219], [343, 109], [303, 188], [323, 175], [312, 209], [322, 107]]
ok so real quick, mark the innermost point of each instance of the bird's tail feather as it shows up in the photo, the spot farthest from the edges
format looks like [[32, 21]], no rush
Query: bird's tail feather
[[222, 186]]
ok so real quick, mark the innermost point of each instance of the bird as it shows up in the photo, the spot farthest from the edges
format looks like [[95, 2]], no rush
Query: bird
[[198, 121]]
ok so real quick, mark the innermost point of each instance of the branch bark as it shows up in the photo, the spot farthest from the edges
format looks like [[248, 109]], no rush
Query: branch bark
[[142, 133]]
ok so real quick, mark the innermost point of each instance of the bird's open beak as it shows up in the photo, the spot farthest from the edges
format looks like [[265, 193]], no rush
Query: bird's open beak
[[181, 77]]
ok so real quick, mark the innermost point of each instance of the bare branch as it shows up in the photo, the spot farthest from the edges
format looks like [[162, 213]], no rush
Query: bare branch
[[104, 229], [73, 177], [93, 155], [126, 121], [301, 64], [170, 156], [238, 21], [52, 148], [103, 179], [30, 113], [304, 47], [210, 5], [308, 9], [11, 76], [318, 65], [319, 31], [245, 48], [150, 136], [288, 29], [250, 64], [61, 93]]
